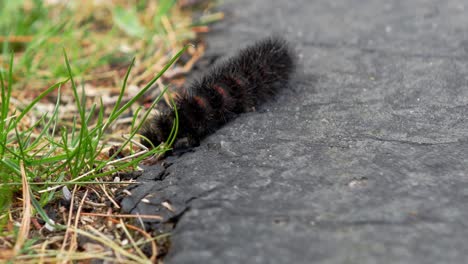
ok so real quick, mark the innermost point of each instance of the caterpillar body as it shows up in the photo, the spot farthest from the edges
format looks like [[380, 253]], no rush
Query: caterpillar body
[[235, 86]]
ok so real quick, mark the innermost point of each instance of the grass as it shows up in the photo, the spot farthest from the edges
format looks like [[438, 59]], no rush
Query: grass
[[68, 86]]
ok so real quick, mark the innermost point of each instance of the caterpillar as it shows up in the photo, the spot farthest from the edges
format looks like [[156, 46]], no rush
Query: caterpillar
[[237, 85]]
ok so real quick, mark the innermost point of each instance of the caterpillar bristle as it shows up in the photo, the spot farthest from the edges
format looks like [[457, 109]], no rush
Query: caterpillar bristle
[[235, 86]]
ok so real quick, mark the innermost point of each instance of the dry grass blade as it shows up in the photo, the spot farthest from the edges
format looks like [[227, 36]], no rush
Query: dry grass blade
[[156, 217], [154, 247], [23, 39], [26, 220], [73, 241], [76, 257], [70, 216], [103, 239], [103, 188], [132, 241]]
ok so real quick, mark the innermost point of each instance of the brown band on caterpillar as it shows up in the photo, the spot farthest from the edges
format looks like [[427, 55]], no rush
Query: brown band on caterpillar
[[200, 101], [220, 91]]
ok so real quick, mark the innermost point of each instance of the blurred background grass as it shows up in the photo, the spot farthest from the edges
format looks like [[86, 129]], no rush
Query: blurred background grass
[[99, 36]]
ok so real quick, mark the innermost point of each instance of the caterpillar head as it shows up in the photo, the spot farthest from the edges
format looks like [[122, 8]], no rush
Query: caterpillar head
[[157, 129]]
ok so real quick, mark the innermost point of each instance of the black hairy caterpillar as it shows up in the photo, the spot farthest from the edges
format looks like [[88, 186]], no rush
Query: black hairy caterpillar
[[235, 86]]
